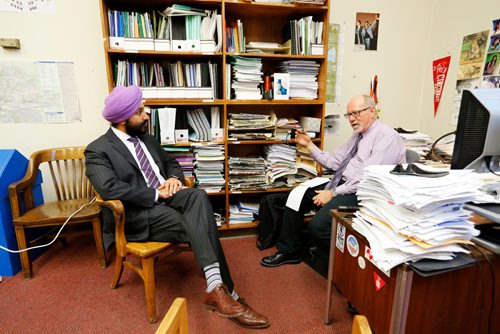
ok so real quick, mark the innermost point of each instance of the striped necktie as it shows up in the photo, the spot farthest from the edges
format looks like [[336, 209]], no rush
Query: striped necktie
[[145, 164], [338, 173]]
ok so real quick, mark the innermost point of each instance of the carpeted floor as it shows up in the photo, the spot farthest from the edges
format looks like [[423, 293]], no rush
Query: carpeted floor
[[70, 294]]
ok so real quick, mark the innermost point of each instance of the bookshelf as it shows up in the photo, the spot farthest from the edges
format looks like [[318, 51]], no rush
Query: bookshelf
[[262, 22]]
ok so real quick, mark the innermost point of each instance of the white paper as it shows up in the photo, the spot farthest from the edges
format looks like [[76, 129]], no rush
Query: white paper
[[296, 195]]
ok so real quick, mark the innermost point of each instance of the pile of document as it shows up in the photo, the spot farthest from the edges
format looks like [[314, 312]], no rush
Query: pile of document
[[247, 173], [306, 166], [280, 162], [284, 127], [407, 218], [418, 142], [246, 78], [243, 212], [303, 78], [184, 157], [251, 126], [209, 167]]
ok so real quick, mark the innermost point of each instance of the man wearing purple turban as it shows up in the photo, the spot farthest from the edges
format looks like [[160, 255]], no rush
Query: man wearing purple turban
[[128, 164]]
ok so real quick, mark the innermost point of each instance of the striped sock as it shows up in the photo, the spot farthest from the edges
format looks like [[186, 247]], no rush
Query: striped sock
[[212, 274]]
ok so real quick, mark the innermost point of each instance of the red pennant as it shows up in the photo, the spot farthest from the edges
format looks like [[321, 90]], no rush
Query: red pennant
[[439, 73], [379, 282]]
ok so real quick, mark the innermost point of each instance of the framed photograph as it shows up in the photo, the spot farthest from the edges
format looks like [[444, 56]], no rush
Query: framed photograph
[[281, 86], [366, 31]]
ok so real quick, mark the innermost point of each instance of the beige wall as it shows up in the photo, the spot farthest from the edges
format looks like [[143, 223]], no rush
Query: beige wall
[[74, 34], [411, 35], [451, 21], [403, 43]]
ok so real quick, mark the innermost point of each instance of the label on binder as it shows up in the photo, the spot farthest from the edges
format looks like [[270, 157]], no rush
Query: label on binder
[[181, 136], [217, 134]]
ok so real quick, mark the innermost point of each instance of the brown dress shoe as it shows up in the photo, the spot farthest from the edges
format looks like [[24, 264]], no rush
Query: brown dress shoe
[[221, 301], [250, 318]]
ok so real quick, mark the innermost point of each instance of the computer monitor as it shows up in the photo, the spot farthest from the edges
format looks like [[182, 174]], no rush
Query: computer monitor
[[477, 138]]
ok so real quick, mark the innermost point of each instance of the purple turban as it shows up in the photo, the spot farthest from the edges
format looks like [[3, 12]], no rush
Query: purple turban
[[122, 103]]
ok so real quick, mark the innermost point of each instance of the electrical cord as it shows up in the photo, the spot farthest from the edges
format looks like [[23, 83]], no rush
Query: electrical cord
[[57, 235], [432, 153], [487, 161]]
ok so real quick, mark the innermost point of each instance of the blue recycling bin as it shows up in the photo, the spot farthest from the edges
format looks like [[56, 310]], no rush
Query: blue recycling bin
[[13, 167]]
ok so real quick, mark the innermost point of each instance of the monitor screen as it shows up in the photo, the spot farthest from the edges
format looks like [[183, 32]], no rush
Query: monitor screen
[[477, 139]]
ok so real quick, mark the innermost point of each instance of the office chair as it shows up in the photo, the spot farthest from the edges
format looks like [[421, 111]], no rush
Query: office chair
[[176, 319], [72, 188], [147, 252]]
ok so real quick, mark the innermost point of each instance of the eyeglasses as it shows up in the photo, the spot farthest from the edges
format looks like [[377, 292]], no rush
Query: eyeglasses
[[355, 113]]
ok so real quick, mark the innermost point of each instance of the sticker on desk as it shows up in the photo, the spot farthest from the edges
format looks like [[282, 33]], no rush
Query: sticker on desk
[[352, 245], [340, 242], [379, 282], [369, 257], [361, 262]]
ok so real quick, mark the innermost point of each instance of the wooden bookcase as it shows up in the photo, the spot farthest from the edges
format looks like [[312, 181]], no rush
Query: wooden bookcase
[[262, 22]]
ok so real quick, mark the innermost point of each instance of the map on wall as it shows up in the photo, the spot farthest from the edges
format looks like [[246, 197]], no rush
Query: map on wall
[[335, 47], [38, 92], [28, 6]]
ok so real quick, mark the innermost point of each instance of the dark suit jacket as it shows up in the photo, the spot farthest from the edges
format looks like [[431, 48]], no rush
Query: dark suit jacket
[[114, 173]]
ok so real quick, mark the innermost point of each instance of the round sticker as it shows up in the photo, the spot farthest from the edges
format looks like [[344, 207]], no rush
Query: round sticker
[[361, 262], [352, 245]]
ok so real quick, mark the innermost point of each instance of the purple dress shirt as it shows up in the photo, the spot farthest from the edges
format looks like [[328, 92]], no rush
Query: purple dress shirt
[[380, 145]]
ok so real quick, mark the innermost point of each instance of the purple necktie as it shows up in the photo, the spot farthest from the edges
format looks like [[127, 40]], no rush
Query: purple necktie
[[144, 163], [338, 173]]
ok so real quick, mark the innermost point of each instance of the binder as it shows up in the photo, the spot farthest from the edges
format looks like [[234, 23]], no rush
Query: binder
[[193, 26], [166, 118], [178, 29]]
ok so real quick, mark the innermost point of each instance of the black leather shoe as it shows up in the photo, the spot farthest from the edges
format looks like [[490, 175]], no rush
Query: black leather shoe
[[279, 259]]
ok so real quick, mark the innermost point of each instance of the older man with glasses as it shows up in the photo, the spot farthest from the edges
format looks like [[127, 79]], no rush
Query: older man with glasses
[[372, 143]]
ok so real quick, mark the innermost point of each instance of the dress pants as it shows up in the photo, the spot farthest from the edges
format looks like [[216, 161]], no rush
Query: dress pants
[[188, 217], [321, 225]]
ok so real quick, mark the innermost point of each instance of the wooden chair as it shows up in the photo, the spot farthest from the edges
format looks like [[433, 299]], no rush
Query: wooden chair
[[360, 325], [176, 319], [147, 252], [72, 188]]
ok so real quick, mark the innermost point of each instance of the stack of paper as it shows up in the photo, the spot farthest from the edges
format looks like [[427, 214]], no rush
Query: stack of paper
[[408, 218], [184, 157], [209, 166], [280, 162], [418, 142], [284, 127], [306, 166], [243, 212], [251, 126], [303, 78], [246, 78], [247, 173], [181, 10]]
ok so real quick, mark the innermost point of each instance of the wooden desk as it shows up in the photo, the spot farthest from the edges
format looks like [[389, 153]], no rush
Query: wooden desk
[[454, 302]]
